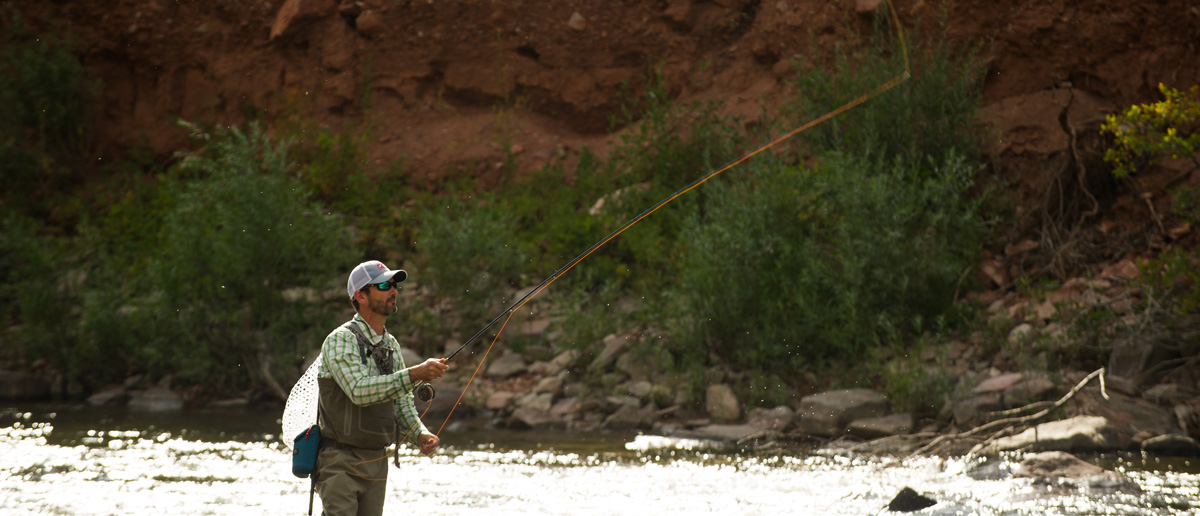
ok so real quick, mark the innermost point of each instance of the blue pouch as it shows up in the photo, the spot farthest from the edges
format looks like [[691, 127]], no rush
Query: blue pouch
[[304, 451]]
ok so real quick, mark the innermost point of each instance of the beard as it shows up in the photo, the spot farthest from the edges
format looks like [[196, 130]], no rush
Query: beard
[[384, 307]]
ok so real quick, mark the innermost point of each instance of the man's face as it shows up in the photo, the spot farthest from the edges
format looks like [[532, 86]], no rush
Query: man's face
[[382, 302]]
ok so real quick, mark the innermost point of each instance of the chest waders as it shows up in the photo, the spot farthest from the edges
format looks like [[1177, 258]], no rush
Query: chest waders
[[346, 425]]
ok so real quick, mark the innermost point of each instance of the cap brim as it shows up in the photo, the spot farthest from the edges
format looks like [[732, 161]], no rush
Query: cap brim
[[394, 276]]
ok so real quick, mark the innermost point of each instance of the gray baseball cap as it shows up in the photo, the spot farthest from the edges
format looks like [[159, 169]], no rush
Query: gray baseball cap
[[372, 272]]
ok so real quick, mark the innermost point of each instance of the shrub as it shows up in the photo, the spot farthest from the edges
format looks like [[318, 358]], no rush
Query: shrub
[[793, 265], [239, 243], [473, 256], [929, 116], [1147, 132]]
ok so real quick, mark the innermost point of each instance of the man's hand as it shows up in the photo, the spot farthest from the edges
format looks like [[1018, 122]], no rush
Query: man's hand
[[428, 443], [428, 370]]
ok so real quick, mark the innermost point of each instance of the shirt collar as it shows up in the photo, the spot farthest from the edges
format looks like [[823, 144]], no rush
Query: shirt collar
[[370, 331]]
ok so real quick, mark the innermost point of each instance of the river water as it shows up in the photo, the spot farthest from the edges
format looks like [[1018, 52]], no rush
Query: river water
[[84, 461]]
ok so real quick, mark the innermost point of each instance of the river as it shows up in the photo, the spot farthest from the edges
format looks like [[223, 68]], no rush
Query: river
[[66, 460]]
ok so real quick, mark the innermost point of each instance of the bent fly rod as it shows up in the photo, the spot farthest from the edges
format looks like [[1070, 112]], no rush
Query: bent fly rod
[[508, 312]]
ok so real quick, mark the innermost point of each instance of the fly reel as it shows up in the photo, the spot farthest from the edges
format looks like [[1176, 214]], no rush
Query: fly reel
[[425, 392]]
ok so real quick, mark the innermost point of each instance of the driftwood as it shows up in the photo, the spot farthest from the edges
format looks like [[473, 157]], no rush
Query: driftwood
[[1007, 424]]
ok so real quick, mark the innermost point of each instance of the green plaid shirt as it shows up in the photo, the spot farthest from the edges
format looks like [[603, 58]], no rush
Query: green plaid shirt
[[363, 383]]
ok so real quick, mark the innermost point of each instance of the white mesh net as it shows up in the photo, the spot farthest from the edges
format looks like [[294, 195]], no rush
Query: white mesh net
[[301, 409]]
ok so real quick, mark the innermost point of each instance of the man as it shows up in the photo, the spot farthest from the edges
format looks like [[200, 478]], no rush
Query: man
[[366, 397]]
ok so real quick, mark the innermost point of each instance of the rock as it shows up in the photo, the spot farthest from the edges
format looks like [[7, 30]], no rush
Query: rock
[[1020, 334], [536, 326], [562, 362], [998, 383], [577, 21], [876, 427], [1055, 467], [775, 419], [509, 364], [1077, 434], [156, 399], [826, 414], [637, 367], [908, 500], [970, 411], [295, 12], [639, 389], [724, 433], [613, 346], [542, 402], [17, 386], [529, 417], [108, 397], [1171, 445], [370, 23], [629, 418], [721, 404], [565, 410], [1166, 394], [500, 400], [1128, 415], [549, 385], [1056, 464], [1029, 390], [1130, 360]]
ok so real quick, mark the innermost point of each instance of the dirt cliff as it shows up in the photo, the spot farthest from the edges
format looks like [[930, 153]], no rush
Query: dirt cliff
[[445, 83]]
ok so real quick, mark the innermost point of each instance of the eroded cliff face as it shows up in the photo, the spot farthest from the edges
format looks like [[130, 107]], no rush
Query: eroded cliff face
[[446, 83]]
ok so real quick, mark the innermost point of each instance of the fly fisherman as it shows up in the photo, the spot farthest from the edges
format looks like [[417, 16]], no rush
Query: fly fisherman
[[366, 397]]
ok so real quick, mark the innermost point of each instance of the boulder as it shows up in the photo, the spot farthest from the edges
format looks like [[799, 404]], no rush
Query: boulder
[[721, 404], [1077, 434], [529, 417], [908, 500], [108, 397], [876, 427], [156, 399], [613, 346], [630, 418], [507, 365], [500, 400], [1171, 445], [1063, 469], [826, 414], [1127, 415], [970, 411], [775, 419], [295, 12]]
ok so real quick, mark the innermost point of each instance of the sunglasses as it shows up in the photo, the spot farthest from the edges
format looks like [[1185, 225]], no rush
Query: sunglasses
[[382, 287]]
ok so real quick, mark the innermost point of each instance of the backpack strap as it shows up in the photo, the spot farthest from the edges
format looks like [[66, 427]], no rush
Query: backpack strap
[[380, 354]]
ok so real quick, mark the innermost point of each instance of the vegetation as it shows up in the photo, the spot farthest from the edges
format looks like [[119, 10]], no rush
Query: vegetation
[[1145, 133], [225, 269]]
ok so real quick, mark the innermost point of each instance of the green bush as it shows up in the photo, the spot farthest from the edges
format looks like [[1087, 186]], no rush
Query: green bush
[[929, 116], [473, 256], [239, 243], [792, 265], [1147, 132]]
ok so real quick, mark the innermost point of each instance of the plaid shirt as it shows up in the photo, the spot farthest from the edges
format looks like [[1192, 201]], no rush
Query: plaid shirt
[[363, 383]]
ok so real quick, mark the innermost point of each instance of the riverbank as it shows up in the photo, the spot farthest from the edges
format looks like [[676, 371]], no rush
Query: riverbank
[[995, 375]]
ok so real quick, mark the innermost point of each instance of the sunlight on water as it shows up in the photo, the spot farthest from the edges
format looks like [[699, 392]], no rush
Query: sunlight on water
[[104, 471]]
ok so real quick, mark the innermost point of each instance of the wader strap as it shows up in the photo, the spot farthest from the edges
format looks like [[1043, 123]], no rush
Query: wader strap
[[381, 355], [312, 488]]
